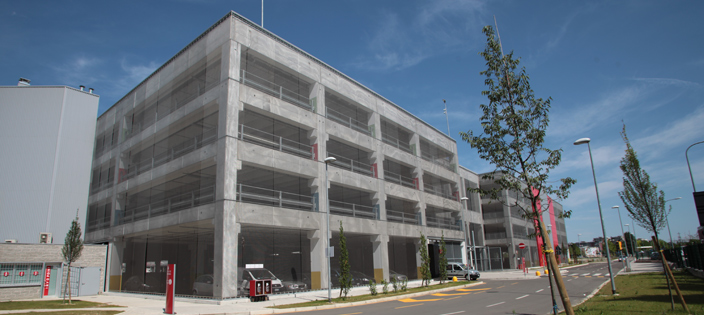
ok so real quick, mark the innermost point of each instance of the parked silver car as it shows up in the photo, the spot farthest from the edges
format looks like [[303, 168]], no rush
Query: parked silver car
[[461, 271]]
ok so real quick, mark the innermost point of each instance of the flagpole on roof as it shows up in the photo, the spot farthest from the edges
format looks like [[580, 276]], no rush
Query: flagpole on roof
[[262, 13], [446, 117]]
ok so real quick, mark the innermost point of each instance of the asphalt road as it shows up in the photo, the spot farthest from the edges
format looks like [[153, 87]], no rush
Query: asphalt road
[[492, 297]]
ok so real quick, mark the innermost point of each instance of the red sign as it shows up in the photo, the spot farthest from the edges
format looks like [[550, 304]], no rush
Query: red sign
[[21, 273], [47, 280], [521, 246], [170, 289], [5, 274], [35, 273]]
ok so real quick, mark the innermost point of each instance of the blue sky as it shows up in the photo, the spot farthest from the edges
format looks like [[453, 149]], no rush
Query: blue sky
[[602, 62]]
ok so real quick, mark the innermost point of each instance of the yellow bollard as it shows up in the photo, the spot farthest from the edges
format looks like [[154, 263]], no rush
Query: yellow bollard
[[537, 273], [546, 272], [454, 279]]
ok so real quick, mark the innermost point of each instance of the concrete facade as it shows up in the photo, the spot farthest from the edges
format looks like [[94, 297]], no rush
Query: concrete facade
[[45, 170], [216, 162]]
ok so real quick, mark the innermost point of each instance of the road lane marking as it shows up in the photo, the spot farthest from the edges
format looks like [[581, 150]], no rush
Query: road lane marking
[[466, 290], [414, 300], [541, 290], [449, 294], [586, 274], [596, 274], [514, 283], [601, 276], [408, 306], [495, 304], [457, 297], [501, 287], [453, 313], [520, 297], [352, 313]]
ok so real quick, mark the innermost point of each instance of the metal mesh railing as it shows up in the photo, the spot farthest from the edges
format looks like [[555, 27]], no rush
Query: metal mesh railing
[[493, 215], [347, 121], [276, 198], [404, 146], [352, 210], [444, 223], [275, 142], [438, 192], [166, 205], [352, 165], [442, 161], [399, 179], [495, 236], [209, 136], [402, 217], [275, 90]]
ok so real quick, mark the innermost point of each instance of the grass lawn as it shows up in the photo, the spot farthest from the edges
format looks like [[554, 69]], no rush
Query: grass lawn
[[370, 297], [646, 294], [51, 304]]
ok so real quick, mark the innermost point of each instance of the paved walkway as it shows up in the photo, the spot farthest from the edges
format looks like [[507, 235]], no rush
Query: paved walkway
[[147, 304]]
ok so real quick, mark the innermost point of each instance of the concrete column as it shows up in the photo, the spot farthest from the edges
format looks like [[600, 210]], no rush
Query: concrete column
[[115, 254], [226, 228], [380, 249], [318, 261]]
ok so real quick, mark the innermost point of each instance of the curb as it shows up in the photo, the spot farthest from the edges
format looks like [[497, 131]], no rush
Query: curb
[[343, 305]]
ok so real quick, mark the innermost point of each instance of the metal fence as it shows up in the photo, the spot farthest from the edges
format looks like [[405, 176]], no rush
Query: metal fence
[[276, 90], [275, 142]]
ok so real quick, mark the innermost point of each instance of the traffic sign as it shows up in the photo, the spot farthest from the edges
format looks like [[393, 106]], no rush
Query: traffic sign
[[521, 246]]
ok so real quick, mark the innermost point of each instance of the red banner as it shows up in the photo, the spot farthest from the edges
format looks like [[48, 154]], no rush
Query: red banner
[[170, 288], [47, 280]]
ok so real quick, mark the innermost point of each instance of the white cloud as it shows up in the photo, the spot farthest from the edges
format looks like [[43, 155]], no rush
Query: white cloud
[[402, 42]]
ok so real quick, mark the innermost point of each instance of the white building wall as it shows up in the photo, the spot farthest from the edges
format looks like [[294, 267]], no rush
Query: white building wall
[[46, 136]]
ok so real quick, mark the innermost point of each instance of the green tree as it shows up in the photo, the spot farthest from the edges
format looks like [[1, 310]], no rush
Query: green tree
[[424, 261], [345, 277], [630, 243], [575, 251], [72, 249], [512, 139], [645, 204], [443, 259]]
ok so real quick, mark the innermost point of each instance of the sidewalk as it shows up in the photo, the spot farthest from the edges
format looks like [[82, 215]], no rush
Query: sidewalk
[[154, 304]]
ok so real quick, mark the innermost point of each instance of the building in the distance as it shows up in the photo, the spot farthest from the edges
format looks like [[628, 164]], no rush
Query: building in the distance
[[506, 228], [46, 136], [217, 163]]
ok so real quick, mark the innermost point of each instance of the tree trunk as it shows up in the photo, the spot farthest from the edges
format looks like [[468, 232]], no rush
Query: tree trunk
[[555, 270]]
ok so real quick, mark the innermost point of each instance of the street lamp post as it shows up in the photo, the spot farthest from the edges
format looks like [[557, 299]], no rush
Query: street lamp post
[[328, 160], [628, 266], [579, 244], [668, 222], [603, 231], [466, 243], [633, 246]]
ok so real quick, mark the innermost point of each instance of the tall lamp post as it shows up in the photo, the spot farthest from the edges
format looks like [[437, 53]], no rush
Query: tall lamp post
[[579, 244], [628, 266], [628, 227], [603, 231], [471, 253], [668, 222], [328, 160]]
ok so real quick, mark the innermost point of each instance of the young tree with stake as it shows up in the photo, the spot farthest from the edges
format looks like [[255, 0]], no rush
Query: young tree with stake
[[514, 124], [424, 261], [345, 277], [73, 246]]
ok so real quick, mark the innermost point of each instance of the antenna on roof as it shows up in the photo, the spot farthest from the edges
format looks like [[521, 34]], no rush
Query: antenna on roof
[[262, 13], [446, 117]]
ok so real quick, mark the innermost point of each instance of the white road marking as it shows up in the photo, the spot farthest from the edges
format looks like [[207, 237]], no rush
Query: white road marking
[[495, 304], [453, 313], [539, 290], [586, 274], [597, 274], [520, 297]]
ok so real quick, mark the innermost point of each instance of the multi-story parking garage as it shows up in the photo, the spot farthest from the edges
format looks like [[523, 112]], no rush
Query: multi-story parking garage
[[216, 162]]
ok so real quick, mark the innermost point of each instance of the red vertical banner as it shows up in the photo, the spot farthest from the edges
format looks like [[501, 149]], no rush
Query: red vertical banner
[[170, 289], [47, 280]]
